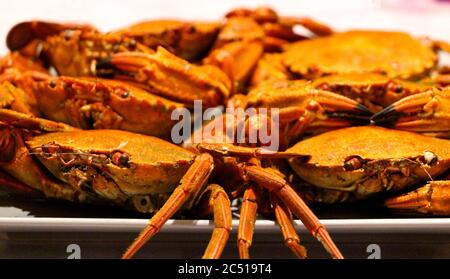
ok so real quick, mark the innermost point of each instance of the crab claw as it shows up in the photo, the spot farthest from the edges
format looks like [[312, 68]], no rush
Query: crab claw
[[427, 112], [433, 198], [322, 111], [333, 111], [343, 110], [297, 99], [30, 122], [23, 33], [169, 76]]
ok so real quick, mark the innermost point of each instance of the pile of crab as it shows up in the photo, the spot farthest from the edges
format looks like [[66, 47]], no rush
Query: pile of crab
[[87, 116]]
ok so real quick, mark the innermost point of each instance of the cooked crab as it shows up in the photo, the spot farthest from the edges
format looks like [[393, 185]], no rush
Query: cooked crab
[[358, 162], [304, 109], [279, 31], [147, 173], [394, 54], [375, 91], [247, 34], [92, 103], [171, 77]]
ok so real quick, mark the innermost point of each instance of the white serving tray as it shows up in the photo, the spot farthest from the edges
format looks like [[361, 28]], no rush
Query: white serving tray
[[45, 229], [116, 225]]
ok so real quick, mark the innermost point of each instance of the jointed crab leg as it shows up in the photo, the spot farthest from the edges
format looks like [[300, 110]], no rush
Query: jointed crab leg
[[171, 77], [17, 39], [192, 182], [33, 123], [433, 198], [425, 112], [284, 191], [220, 205], [284, 220], [247, 220], [223, 149]]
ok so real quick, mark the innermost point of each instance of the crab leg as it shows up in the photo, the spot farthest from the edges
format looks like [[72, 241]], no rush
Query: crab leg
[[16, 40], [219, 203], [284, 191], [433, 198], [247, 220], [171, 77], [192, 181], [425, 112], [284, 220], [15, 98], [33, 123], [237, 60], [222, 149]]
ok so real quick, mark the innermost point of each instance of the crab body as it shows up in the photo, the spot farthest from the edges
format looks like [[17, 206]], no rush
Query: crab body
[[357, 162], [92, 103], [116, 165], [394, 54], [146, 173]]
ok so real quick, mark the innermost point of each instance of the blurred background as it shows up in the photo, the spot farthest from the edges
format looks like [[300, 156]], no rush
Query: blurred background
[[418, 17]]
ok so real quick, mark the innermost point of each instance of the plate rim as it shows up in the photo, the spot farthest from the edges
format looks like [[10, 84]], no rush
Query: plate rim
[[115, 225]]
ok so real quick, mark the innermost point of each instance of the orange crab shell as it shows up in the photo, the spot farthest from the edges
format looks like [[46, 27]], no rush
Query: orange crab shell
[[105, 104], [189, 40], [394, 54], [154, 165], [76, 53], [367, 160]]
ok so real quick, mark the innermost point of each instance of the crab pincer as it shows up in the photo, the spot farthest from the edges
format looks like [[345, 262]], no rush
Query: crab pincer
[[303, 108], [25, 32], [433, 199], [171, 77], [427, 112]]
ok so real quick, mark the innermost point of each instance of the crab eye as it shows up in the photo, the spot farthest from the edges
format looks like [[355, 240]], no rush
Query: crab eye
[[353, 163], [121, 159], [122, 93], [52, 83], [430, 158], [394, 87], [131, 44], [398, 89], [68, 34]]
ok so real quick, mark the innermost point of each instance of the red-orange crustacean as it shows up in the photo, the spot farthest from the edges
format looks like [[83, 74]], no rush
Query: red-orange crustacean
[[85, 115], [87, 102], [92, 165]]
